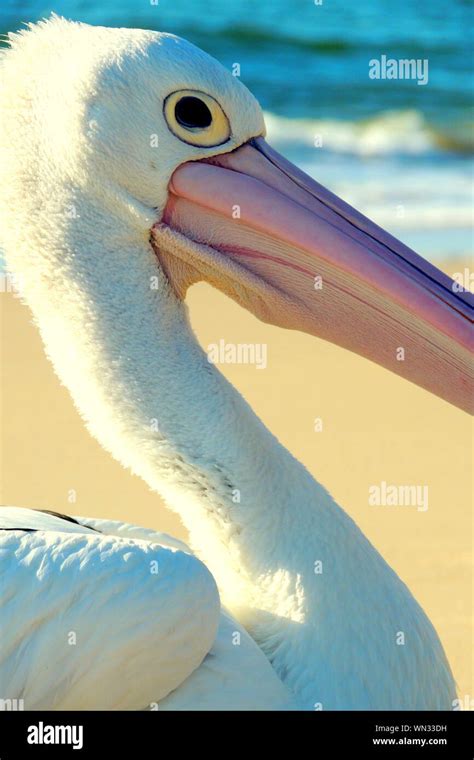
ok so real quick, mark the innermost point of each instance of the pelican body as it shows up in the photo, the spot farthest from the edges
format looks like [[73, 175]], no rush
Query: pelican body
[[134, 166]]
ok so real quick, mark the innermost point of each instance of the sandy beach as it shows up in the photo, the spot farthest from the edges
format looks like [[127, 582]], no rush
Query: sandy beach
[[353, 424]]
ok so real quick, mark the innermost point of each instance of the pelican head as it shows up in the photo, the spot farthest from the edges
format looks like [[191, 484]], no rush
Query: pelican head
[[144, 141]]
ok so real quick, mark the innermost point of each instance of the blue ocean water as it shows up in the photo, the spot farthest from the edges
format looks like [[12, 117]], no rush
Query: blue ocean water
[[401, 152]]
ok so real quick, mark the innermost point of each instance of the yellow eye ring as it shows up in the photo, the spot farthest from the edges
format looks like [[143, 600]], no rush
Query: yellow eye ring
[[196, 118]]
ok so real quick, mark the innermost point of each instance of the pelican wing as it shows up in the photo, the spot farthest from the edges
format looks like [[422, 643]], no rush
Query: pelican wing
[[128, 530], [94, 621], [235, 674]]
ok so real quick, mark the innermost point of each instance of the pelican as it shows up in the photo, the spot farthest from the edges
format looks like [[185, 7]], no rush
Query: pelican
[[135, 165]]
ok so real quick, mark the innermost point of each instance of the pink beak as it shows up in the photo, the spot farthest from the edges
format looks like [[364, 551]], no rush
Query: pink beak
[[297, 256]]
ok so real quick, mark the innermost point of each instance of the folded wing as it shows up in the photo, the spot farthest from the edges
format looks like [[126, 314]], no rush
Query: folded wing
[[92, 621]]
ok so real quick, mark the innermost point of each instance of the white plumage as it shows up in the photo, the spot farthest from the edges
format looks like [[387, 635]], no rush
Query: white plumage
[[82, 185], [117, 618]]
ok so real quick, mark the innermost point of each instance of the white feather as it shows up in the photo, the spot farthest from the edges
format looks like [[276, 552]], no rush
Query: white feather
[[118, 619]]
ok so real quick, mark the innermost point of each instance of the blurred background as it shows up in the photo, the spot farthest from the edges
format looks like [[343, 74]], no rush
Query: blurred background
[[398, 151]]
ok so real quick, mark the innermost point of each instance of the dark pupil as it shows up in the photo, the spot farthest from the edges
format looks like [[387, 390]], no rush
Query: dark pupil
[[192, 112]]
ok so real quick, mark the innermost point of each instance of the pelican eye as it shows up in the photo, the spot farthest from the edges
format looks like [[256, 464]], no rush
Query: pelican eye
[[192, 113], [196, 118]]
